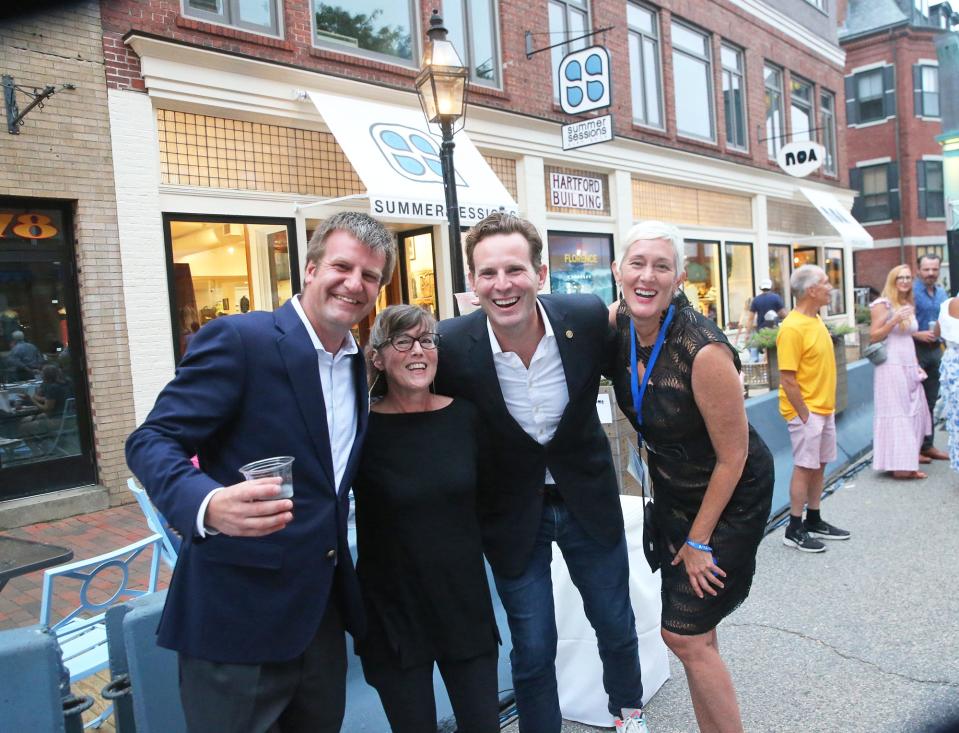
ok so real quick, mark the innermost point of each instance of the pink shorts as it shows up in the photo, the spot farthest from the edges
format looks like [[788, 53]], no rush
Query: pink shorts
[[815, 442]]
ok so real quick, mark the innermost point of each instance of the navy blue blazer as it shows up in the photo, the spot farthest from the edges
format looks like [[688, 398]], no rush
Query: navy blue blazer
[[249, 388], [514, 464]]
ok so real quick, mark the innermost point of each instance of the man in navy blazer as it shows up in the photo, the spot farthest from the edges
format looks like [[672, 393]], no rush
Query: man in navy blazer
[[264, 587], [532, 365]]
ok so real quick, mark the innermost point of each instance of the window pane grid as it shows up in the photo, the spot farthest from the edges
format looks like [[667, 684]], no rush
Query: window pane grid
[[801, 111], [686, 205], [200, 150], [505, 170], [827, 121], [734, 98], [774, 109], [692, 82]]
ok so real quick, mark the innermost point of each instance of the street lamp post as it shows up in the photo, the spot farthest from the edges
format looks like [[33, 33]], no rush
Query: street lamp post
[[441, 85]]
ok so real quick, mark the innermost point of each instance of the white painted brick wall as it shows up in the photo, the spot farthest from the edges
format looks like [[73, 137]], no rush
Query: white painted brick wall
[[147, 298]]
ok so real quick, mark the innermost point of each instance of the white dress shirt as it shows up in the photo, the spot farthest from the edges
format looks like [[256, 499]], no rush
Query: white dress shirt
[[535, 397], [339, 396]]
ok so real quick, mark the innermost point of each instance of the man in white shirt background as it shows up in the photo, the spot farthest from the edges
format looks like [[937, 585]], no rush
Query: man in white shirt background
[[264, 587], [532, 364]]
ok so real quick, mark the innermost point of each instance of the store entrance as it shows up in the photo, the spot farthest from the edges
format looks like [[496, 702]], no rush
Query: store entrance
[[413, 281], [45, 436]]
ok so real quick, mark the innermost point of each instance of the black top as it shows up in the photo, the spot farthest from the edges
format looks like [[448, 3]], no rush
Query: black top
[[420, 559], [681, 462]]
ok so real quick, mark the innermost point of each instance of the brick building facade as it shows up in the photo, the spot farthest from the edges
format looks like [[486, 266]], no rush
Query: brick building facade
[[60, 267], [894, 160], [223, 165]]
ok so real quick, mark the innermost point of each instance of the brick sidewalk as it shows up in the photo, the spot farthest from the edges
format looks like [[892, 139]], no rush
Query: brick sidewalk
[[87, 535]]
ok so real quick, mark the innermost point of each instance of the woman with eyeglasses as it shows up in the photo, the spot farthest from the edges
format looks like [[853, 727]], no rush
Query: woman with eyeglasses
[[420, 559], [900, 413]]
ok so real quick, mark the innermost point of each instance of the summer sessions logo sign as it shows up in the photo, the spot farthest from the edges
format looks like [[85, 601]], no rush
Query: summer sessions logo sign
[[584, 86]]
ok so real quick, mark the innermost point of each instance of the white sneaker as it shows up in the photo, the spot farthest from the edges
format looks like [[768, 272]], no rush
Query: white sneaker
[[634, 721]]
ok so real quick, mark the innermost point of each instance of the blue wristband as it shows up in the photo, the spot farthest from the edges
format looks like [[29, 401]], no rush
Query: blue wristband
[[698, 546]]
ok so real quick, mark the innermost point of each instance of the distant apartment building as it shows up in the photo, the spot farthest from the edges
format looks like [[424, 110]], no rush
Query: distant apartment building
[[893, 118]]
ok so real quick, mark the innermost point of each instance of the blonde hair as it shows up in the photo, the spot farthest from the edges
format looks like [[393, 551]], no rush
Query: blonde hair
[[891, 293]]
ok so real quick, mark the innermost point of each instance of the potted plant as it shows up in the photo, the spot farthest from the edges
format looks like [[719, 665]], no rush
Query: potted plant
[[765, 340]]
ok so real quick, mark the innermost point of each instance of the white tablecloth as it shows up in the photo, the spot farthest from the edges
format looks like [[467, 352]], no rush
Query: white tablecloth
[[579, 671]]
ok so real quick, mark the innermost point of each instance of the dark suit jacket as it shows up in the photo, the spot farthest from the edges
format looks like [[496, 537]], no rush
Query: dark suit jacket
[[249, 388], [514, 464]]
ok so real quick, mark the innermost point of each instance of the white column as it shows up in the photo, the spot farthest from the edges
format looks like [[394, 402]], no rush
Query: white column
[[142, 250], [621, 191], [761, 250]]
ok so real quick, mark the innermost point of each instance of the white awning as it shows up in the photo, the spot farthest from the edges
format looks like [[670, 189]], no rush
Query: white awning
[[841, 220], [397, 157]]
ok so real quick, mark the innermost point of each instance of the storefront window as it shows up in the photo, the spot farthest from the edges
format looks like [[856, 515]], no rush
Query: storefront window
[[739, 281], [805, 256], [702, 279], [580, 263], [780, 268], [834, 269], [419, 270], [44, 412], [222, 267]]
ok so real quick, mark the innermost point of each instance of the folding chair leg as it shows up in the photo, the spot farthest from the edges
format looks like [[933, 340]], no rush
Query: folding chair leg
[[101, 718]]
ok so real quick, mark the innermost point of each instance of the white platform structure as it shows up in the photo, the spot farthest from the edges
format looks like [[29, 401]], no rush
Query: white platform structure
[[579, 671]]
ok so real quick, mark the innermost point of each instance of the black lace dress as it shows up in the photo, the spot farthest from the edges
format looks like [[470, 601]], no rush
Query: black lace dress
[[681, 462]]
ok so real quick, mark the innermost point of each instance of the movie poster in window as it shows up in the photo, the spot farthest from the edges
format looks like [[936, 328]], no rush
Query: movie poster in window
[[580, 263]]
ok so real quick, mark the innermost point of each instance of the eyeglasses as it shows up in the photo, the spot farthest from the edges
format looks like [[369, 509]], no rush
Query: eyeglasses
[[428, 341], [904, 278]]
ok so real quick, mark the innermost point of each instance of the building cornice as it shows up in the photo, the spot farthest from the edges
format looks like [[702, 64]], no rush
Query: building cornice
[[779, 20]]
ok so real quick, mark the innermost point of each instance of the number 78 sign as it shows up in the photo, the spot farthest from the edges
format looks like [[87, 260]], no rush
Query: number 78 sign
[[28, 225]]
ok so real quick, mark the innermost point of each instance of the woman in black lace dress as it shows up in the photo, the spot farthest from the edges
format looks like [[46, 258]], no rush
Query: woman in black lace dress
[[712, 475]]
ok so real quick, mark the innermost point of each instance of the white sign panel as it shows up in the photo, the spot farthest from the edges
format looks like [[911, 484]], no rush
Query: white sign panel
[[576, 192], [588, 132], [604, 409], [584, 83], [801, 158], [841, 220]]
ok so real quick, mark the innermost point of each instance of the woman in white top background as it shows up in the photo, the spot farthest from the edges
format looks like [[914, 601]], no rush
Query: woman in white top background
[[949, 375]]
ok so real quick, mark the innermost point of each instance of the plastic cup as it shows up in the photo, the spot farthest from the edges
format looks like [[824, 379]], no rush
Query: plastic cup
[[932, 325], [281, 466]]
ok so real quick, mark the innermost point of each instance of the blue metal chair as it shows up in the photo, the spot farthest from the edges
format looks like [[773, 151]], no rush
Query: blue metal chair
[[157, 523], [82, 633]]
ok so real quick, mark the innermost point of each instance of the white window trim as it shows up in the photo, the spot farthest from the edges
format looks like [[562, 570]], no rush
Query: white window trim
[[868, 67], [873, 161], [710, 80], [871, 123], [877, 223], [660, 71], [243, 29], [927, 118], [332, 46], [933, 157], [927, 62]]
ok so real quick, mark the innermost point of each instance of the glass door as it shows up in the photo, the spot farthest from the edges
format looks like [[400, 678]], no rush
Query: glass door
[[45, 436], [418, 269]]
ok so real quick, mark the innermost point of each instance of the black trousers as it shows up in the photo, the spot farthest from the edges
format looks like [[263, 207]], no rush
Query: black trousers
[[303, 695], [929, 357], [407, 694]]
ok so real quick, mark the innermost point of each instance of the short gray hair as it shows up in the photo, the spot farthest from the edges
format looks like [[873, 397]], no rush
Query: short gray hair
[[17, 336], [364, 228], [804, 278], [389, 322], [651, 229]]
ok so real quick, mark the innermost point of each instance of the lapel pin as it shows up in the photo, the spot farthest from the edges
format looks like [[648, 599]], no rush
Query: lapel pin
[[569, 334]]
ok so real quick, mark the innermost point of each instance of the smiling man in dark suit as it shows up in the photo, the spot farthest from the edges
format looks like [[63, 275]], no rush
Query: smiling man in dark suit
[[532, 366], [264, 586]]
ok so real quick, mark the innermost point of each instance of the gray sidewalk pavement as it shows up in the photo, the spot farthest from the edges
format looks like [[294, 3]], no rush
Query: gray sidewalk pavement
[[863, 637]]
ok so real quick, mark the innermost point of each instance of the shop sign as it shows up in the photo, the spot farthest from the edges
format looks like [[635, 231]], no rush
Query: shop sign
[[584, 83], [417, 209], [576, 192], [29, 225], [588, 132], [801, 158]]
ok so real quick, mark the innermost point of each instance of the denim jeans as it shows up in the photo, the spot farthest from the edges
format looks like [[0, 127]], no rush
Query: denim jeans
[[602, 576]]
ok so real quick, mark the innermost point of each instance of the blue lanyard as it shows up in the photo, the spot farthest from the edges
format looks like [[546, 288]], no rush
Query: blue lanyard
[[639, 391]]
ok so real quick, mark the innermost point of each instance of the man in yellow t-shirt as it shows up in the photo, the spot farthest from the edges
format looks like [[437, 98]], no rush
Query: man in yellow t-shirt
[[807, 401]]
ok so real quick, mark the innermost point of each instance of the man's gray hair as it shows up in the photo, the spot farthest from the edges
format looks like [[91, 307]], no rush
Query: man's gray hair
[[651, 229], [804, 278], [17, 336], [364, 228]]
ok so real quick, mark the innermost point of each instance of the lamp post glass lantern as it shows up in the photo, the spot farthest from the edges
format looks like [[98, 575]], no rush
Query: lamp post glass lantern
[[441, 85]]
